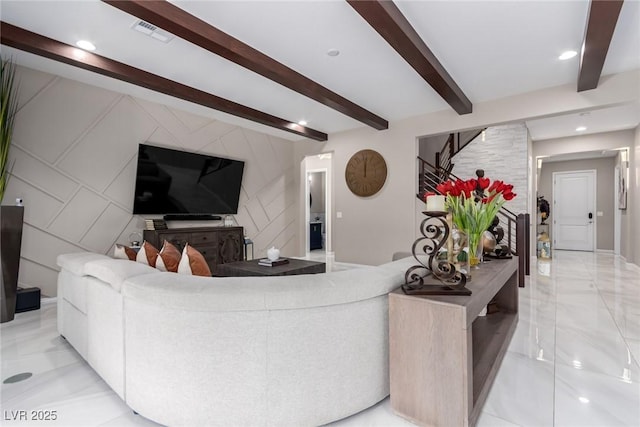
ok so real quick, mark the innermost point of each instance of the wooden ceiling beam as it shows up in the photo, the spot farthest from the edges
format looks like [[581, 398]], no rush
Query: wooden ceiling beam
[[385, 17], [28, 41], [188, 27], [601, 23]]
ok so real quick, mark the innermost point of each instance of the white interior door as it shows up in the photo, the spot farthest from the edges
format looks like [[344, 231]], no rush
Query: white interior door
[[574, 200]]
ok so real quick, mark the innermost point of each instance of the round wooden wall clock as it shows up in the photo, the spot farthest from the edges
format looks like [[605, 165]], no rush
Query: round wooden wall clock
[[365, 173]]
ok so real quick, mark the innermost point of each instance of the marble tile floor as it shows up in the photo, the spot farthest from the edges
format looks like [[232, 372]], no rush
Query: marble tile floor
[[329, 260], [573, 360]]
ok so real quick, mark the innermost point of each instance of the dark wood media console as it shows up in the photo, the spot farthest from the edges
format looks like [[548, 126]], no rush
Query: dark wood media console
[[218, 245]]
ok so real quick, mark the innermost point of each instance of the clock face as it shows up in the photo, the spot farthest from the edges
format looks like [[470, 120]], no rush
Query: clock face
[[366, 173]]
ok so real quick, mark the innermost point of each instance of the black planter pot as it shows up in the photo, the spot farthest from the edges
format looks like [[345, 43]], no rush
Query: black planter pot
[[11, 220]]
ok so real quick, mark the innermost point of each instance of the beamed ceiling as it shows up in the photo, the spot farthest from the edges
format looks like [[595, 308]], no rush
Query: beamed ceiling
[[267, 62]]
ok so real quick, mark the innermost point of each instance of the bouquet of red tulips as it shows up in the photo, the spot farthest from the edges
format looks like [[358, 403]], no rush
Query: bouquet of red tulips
[[474, 203]]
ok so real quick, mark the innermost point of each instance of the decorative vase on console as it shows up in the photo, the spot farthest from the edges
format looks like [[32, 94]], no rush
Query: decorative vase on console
[[459, 258], [474, 204], [475, 249], [273, 254]]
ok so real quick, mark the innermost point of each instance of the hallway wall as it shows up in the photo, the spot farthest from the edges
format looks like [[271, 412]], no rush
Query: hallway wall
[[604, 189], [597, 142]]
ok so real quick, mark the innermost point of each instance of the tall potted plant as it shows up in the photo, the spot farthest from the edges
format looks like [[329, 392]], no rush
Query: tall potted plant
[[11, 217]]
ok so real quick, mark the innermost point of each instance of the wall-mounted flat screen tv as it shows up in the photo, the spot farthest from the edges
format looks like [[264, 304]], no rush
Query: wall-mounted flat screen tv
[[177, 182]]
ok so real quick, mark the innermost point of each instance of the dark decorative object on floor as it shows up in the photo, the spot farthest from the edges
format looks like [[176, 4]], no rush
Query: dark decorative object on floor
[[436, 277], [11, 218], [544, 208], [27, 299]]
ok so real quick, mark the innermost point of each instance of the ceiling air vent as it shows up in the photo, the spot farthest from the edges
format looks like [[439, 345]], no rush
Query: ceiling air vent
[[152, 31]]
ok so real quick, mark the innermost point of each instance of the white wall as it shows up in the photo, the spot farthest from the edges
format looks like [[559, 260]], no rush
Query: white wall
[[371, 229], [632, 214], [430, 145], [75, 148]]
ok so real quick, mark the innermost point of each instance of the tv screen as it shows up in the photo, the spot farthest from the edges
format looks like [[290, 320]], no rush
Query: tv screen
[[177, 182]]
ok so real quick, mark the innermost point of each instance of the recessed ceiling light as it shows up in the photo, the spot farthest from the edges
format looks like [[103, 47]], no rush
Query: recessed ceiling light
[[583, 399], [333, 52], [581, 128], [86, 45], [302, 122], [567, 55]]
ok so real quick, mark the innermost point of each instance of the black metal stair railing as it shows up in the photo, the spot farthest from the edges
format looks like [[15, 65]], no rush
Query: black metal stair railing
[[454, 143], [515, 226]]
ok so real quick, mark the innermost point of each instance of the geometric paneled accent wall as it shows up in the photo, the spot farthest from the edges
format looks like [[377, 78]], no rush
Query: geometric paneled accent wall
[[74, 151]]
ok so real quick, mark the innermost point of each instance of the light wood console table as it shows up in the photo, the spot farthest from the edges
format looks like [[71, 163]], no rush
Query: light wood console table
[[443, 356]]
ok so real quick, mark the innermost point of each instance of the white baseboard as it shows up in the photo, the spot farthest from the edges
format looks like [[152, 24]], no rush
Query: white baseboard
[[48, 300], [630, 264], [604, 251], [633, 266]]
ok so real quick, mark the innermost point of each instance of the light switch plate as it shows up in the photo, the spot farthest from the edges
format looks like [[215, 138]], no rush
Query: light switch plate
[[338, 214], [600, 213]]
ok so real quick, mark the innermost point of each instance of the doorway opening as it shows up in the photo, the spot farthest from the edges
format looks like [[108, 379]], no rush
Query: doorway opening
[[317, 211], [317, 203]]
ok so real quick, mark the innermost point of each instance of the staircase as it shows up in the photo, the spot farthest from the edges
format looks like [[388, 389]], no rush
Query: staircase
[[456, 142], [515, 226]]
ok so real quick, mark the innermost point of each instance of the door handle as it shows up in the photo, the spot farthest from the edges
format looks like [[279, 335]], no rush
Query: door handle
[[590, 215]]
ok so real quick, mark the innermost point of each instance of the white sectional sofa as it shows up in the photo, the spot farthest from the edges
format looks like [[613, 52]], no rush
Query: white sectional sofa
[[186, 350]]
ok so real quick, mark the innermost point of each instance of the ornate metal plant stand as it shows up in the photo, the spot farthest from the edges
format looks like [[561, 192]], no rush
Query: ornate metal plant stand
[[435, 277]]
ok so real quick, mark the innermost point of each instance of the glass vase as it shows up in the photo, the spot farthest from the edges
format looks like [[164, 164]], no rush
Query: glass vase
[[459, 257], [475, 249]]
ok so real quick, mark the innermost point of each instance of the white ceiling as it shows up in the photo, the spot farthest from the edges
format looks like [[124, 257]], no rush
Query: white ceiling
[[583, 155], [596, 121], [492, 49]]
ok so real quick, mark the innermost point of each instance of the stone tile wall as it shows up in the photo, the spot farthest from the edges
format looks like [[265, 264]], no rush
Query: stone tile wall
[[502, 155]]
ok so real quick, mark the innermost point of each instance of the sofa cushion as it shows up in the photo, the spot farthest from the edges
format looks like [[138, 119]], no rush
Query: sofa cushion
[[193, 263], [147, 254], [75, 262], [266, 293], [116, 271], [73, 289], [168, 258]]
